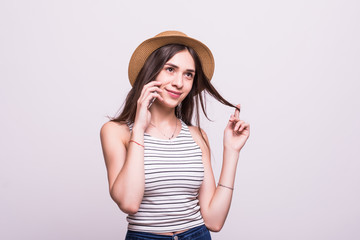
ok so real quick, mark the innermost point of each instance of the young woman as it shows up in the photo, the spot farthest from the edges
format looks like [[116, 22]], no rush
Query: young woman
[[158, 164]]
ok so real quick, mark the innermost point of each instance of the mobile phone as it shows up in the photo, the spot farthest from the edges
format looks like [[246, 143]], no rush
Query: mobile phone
[[151, 102]]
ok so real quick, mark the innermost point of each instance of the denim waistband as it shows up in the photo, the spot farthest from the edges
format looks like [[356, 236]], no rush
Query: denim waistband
[[198, 233]]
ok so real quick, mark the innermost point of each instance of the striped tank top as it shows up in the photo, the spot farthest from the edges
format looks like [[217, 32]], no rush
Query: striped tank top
[[173, 174]]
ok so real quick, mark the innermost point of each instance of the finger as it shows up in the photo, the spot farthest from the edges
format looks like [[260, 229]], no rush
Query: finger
[[148, 91], [149, 85], [237, 111], [151, 99], [153, 83], [152, 96], [238, 125], [231, 120], [242, 127], [245, 129], [154, 89], [151, 89]]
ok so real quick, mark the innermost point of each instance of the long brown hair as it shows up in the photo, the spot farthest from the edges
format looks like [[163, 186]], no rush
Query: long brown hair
[[149, 72]]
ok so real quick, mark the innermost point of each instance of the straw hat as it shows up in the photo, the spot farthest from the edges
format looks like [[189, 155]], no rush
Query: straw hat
[[144, 50]]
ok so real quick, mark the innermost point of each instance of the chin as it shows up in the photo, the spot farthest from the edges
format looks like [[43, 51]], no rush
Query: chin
[[170, 103]]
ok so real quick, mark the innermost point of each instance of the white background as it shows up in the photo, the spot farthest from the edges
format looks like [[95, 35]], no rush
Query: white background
[[293, 65]]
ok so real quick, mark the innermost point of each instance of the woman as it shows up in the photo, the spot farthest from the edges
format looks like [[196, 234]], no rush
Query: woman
[[158, 164]]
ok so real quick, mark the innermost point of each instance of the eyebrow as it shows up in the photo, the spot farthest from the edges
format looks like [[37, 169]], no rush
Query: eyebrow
[[174, 66]]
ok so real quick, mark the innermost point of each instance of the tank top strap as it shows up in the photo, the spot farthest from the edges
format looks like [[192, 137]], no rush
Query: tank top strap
[[184, 128]]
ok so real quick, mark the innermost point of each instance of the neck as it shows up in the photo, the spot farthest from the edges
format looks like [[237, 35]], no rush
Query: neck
[[161, 115]]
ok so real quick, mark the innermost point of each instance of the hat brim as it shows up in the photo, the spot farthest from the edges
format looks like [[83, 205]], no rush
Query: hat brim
[[144, 50]]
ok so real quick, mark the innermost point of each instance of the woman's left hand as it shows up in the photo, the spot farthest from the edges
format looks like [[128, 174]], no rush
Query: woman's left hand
[[236, 132]]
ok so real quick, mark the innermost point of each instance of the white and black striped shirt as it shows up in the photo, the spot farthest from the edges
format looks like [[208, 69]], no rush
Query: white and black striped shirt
[[173, 174]]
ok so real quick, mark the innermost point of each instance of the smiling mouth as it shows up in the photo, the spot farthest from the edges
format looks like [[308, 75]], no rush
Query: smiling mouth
[[173, 93]]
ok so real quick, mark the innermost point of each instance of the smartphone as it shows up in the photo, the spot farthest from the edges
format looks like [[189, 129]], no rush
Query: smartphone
[[151, 102]]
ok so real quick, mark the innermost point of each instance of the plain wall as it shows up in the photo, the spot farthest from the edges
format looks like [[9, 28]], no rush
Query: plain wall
[[293, 65]]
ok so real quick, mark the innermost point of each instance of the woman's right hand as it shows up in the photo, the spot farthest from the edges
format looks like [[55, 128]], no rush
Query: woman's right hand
[[143, 115]]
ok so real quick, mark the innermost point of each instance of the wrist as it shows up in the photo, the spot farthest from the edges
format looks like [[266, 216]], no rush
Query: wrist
[[138, 129], [231, 150], [230, 155], [137, 134]]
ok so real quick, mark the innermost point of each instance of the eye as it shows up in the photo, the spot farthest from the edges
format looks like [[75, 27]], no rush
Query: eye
[[170, 69], [189, 75]]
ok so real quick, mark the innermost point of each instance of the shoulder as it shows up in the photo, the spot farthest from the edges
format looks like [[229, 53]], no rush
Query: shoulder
[[115, 131], [111, 127], [200, 137]]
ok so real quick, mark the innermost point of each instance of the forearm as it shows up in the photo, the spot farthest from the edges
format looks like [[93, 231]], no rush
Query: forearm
[[221, 200], [128, 188]]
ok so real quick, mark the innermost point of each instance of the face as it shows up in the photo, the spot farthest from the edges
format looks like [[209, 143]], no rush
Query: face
[[177, 77]]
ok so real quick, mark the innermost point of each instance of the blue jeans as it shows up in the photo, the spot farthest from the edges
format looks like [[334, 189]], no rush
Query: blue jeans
[[196, 233]]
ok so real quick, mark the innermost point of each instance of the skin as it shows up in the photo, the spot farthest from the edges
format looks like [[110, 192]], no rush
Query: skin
[[125, 160]]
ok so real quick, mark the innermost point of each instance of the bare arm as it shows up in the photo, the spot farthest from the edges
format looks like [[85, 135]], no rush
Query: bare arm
[[124, 159], [215, 201], [125, 165]]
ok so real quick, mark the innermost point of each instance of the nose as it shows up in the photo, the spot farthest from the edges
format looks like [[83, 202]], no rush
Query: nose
[[177, 81]]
